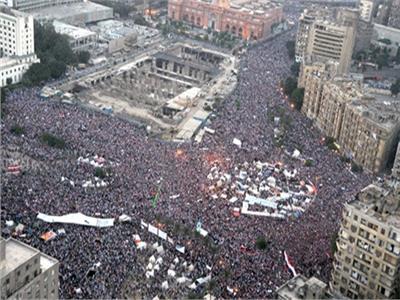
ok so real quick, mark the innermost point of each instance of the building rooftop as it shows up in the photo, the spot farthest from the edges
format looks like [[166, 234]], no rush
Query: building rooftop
[[72, 31], [46, 261], [300, 287], [380, 200], [68, 10], [16, 253], [11, 12], [381, 110]]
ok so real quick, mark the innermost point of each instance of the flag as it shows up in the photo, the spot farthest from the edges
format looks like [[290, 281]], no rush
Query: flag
[[289, 264], [156, 196]]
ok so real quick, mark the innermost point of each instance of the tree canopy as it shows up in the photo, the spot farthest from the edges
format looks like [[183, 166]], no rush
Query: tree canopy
[[55, 55], [395, 87], [290, 45]]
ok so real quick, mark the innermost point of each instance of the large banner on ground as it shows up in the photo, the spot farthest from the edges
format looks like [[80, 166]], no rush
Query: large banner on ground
[[78, 219]]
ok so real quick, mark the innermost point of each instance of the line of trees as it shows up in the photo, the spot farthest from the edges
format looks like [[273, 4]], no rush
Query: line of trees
[[55, 55]]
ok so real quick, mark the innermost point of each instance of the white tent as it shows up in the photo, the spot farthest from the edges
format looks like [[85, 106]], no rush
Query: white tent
[[237, 142]]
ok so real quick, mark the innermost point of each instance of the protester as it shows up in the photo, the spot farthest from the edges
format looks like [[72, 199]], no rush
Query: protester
[[139, 168]]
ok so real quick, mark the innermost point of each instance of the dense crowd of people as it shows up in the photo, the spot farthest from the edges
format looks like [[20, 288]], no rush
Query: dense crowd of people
[[137, 166]]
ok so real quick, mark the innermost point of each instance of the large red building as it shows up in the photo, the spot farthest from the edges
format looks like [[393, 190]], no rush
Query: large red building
[[249, 19]]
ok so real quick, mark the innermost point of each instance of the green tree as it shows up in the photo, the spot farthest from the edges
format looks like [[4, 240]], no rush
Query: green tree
[[333, 243], [261, 243], [356, 168], [395, 87], [83, 57], [37, 73], [290, 85], [308, 162], [52, 141], [17, 130], [290, 45], [57, 68], [54, 52], [382, 60], [398, 56], [100, 173], [297, 97], [295, 68]]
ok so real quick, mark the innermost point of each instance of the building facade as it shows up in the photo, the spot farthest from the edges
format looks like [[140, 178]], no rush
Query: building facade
[[367, 260], [394, 14], [327, 35], [80, 39], [16, 33], [396, 164], [306, 20], [26, 273], [366, 7], [365, 126], [17, 47], [331, 42], [247, 19]]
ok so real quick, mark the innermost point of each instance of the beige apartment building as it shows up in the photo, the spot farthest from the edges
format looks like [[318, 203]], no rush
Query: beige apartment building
[[370, 131], [367, 259], [336, 94], [365, 126], [26, 273]]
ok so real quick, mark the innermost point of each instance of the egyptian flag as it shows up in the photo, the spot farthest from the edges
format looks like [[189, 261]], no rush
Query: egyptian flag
[[289, 263]]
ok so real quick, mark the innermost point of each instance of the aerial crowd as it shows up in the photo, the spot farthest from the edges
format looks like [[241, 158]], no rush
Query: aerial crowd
[[166, 183]]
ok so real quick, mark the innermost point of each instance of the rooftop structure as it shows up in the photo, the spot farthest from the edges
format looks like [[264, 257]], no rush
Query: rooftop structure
[[243, 18], [114, 35], [77, 13], [26, 273], [80, 38], [300, 287], [367, 259], [28, 5]]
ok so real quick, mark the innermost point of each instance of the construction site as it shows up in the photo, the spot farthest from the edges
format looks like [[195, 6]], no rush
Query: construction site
[[171, 90]]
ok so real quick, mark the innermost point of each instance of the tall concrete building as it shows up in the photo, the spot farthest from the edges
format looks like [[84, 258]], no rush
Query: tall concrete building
[[327, 35], [248, 19], [396, 164], [367, 259], [365, 126], [394, 14], [331, 41], [26, 273], [306, 20], [17, 48], [366, 8]]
